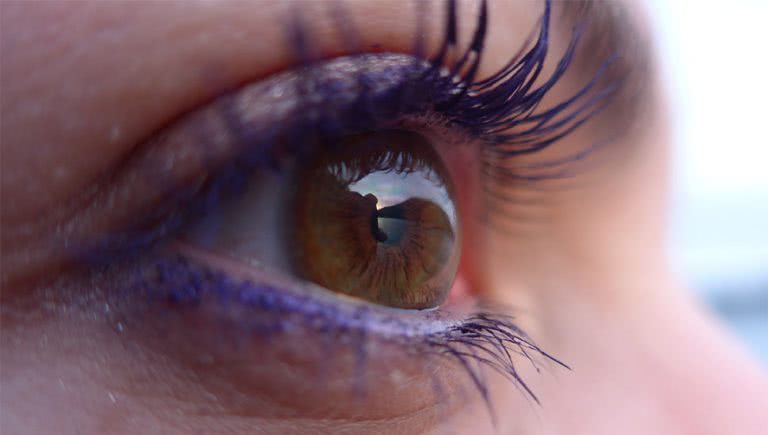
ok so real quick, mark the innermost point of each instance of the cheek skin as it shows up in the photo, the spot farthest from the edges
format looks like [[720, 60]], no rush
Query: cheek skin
[[643, 354], [103, 371]]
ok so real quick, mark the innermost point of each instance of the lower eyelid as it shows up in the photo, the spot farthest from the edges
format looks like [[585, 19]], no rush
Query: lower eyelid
[[290, 349], [228, 275]]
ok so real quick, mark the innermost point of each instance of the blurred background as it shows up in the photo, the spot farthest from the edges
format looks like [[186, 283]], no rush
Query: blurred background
[[717, 70]]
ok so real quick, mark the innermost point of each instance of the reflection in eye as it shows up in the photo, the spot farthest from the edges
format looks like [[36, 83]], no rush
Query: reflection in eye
[[375, 220]]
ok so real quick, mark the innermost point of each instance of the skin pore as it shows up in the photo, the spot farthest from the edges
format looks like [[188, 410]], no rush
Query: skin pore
[[84, 84]]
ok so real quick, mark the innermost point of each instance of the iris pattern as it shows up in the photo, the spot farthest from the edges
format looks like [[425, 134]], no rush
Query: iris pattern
[[375, 219]]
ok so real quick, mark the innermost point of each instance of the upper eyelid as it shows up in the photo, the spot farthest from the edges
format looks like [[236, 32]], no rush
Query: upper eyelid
[[110, 74], [168, 59], [208, 149], [112, 195], [189, 53], [180, 159]]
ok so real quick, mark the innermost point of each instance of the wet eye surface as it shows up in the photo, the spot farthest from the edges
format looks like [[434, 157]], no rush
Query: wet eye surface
[[369, 215], [375, 219]]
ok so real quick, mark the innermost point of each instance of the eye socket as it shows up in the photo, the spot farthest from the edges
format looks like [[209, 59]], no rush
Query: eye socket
[[190, 169], [375, 219]]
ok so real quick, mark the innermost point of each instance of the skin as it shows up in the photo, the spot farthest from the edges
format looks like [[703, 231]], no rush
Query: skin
[[85, 83]]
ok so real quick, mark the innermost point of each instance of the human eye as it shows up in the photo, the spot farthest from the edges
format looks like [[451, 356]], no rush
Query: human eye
[[307, 245]]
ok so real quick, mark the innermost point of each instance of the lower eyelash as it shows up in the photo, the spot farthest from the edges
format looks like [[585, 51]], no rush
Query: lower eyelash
[[485, 339]]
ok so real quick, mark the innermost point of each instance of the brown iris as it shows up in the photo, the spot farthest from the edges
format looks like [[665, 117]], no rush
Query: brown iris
[[374, 219]]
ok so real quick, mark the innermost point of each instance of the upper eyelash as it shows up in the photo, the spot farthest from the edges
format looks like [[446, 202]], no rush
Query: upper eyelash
[[357, 167], [502, 111], [491, 110], [494, 109]]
